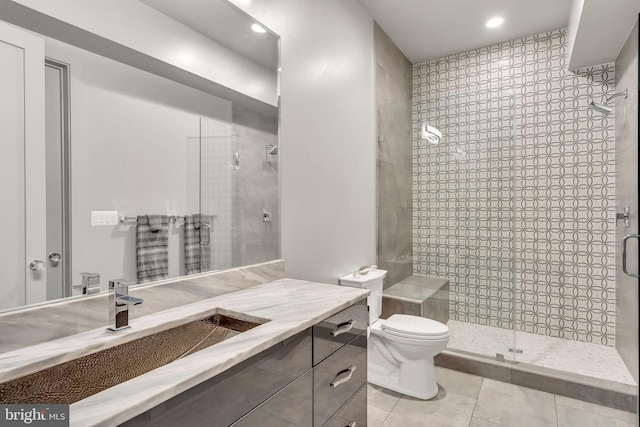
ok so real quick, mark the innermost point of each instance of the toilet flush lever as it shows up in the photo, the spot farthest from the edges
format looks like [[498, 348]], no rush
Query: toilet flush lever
[[342, 328]]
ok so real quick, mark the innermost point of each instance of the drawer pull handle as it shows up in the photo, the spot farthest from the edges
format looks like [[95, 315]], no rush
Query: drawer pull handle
[[351, 424], [342, 328], [345, 374]]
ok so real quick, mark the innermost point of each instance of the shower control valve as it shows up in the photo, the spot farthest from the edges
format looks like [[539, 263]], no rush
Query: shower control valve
[[266, 215], [625, 216]]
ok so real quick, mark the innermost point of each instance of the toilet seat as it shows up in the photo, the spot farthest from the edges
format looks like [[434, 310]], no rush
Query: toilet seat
[[414, 327]]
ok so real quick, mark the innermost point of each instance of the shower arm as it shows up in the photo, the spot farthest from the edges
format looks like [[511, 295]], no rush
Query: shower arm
[[625, 93]]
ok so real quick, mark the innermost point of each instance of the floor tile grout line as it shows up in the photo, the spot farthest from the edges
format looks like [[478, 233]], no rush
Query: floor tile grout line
[[475, 405], [385, 419], [396, 404]]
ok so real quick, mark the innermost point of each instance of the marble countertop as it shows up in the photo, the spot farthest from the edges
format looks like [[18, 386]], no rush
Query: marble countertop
[[69, 316], [290, 305]]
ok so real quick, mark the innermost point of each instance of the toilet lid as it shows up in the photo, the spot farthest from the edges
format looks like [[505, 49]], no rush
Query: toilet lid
[[414, 326]]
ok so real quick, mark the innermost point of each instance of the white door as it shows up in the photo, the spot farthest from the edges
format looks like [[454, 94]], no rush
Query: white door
[[56, 139], [22, 168]]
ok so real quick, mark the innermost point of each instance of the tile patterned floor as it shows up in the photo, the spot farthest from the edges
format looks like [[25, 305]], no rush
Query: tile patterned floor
[[468, 400], [583, 358]]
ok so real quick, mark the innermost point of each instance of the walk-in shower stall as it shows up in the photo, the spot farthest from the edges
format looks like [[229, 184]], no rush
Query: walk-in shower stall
[[514, 204]]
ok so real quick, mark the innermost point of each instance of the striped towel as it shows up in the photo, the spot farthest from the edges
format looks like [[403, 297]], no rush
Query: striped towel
[[197, 256], [152, 247], [191, 246]]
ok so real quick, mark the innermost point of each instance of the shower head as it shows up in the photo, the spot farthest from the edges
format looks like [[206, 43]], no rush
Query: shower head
[[602, 108], [430, 134], [270, 149]]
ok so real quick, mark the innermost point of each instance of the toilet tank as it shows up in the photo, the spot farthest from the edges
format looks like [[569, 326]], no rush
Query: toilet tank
[[372, 281]]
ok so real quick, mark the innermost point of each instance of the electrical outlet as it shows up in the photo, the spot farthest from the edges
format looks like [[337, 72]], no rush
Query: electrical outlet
[[99, 218]]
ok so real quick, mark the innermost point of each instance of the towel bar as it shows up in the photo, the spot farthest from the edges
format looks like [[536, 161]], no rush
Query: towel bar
[[172, 218]]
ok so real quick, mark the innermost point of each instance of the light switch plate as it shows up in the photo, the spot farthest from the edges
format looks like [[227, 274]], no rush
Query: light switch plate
[[99, 218]]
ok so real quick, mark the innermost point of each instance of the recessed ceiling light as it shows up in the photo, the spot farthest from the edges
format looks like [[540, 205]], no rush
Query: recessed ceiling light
[[258, 29], [494, 22]]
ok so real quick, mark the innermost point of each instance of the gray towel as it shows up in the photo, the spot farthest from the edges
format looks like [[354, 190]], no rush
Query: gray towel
[[152, 247], [191, 246], [197, 255], [156, 222]]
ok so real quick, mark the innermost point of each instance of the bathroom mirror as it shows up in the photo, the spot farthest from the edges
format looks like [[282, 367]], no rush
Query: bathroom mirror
[[148, 107]]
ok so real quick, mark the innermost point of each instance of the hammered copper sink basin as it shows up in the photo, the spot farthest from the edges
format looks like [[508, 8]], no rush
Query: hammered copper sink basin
[[77, 379]]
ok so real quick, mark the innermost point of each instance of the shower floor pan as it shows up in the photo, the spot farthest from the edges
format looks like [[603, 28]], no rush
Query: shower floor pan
[[593, 360], [589, 372], [80, 378]]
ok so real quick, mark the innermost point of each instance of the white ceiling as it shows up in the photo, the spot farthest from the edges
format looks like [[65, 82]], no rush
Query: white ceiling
[[428, 29], [599, 30], [225, 24]]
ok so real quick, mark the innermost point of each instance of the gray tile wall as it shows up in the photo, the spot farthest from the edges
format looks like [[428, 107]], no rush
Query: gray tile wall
[[626, 117], [394, 197], [257, 185], [523, 160]]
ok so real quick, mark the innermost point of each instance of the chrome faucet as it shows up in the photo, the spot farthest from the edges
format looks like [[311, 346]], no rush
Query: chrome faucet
[[119, 302], [90, 283]]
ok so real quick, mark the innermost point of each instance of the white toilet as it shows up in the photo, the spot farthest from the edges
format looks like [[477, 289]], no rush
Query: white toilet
[[401, 348]]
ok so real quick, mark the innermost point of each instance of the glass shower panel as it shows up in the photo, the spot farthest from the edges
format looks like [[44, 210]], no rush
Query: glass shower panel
[[464, 212], [219, 166], [395, 196]]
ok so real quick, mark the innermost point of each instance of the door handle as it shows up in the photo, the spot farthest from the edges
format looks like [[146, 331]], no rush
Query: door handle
[[36, 265], [55, 257], [624, 254]]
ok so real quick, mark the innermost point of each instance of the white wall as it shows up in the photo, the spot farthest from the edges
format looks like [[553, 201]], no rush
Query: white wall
[[130, 153], [598, 30], [328, 152], [144, 29]]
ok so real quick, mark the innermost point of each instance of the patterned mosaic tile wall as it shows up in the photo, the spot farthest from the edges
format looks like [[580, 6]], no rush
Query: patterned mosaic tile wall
[[523, 181], [219, 192]]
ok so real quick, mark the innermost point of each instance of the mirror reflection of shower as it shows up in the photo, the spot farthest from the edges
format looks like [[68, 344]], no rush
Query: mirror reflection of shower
[[430, 134], [270, 150]]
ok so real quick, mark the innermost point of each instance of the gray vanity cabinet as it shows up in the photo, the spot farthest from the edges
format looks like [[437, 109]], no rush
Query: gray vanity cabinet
[[225, 398], [315, 378], [291, 407], [354, 413], [333, 333], [340, 368], [337, 380]]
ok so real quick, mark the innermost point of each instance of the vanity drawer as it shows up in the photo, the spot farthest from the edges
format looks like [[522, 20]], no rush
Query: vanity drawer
[[338, 378], [339, 329], [354, 413], [225, 398], [291, 407]]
